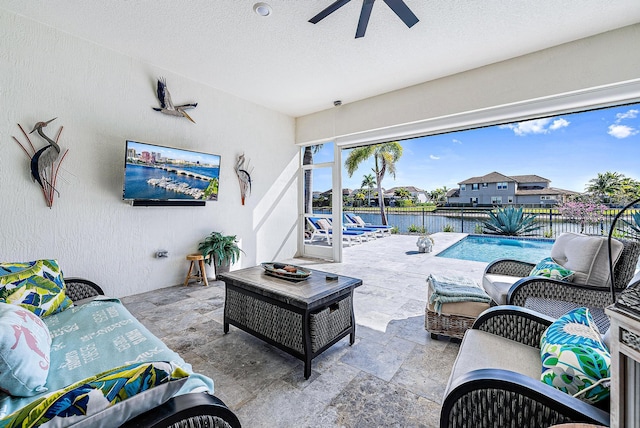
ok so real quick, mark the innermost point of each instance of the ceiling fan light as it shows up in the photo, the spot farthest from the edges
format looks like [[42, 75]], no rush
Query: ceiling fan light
[[262, 9]]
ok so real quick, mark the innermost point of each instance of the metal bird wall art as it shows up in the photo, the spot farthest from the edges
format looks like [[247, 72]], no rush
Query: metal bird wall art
[[243, 171], [166, 105], [44, 169]]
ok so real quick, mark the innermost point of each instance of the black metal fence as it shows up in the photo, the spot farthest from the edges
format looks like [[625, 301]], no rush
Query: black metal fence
[[470, 220]]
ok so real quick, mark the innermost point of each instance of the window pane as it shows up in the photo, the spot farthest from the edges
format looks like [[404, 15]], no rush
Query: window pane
[[317, 191], [316, 154]]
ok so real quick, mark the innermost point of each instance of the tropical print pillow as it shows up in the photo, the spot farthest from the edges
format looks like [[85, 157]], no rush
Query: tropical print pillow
[[90, 398], [547, 267], [25, 347], [575, 360], [37, 286]]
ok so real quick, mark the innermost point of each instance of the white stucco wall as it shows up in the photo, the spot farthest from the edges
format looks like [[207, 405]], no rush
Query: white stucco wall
[[587, 63], [102, 98]]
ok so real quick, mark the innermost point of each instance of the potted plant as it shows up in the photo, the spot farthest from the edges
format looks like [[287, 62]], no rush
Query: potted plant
[[221, 249]]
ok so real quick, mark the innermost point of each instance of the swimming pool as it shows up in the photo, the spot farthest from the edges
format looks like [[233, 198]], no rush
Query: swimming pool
[[482, 248]]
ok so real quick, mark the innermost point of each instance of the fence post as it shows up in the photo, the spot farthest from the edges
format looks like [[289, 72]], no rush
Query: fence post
[[423, 221], [462, 218], [550, 221]]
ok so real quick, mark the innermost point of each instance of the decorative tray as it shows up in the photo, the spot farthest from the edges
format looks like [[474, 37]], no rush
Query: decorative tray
[[278, 270]]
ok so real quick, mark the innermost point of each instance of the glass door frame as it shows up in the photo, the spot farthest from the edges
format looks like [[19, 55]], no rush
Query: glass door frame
[[334, 252]]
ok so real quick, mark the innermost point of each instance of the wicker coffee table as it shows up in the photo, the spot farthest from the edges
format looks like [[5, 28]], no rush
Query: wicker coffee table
[[303, 318]]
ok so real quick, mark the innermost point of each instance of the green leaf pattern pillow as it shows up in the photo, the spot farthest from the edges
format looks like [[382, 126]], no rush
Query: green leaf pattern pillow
[[89, 397], [547, 267], [37, 286], [575, 360]]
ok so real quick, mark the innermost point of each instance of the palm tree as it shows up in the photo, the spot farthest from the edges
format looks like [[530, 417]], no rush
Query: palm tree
[[307, 159], [605, 186], [629, 189], [369, 182], [385, 156], [402, 193], [439, 195]]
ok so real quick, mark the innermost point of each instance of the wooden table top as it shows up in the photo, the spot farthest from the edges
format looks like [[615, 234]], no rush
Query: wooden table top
[[313, 291]]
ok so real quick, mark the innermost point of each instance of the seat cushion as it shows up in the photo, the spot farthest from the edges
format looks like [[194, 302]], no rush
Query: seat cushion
[[497, 286], [482, 350], [587, 256]]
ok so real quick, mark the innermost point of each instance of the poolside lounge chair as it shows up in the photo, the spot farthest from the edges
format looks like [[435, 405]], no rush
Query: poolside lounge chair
[[357, 221], [371, 232], [320, 227]]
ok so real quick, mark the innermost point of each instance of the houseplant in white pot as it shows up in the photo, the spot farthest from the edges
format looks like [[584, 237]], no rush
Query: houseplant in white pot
[[221, 249]]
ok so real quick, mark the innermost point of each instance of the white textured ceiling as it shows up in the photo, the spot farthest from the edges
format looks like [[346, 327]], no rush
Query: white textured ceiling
[[287, 64]]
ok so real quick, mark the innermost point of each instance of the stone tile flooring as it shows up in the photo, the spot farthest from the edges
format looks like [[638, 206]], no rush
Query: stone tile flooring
[[394, 374]]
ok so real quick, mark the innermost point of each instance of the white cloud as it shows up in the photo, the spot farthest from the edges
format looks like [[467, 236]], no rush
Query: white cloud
[[434, 157], [631, 114], [621, 131], [457, 141], [536, 126], [559, 123]]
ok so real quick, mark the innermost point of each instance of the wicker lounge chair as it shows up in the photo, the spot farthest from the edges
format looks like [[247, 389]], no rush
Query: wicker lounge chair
[[508, 282], [495, 381], [323, 229], [357, 221]]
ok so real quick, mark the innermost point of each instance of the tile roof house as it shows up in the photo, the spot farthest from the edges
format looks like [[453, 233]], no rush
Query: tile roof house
[[419, 194], [499, 189]]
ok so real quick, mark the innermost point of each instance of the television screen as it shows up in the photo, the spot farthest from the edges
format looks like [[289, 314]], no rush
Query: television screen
[[157, 173]]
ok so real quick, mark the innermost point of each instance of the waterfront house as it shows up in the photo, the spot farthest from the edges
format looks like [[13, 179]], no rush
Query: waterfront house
[[499, 189], [418, 195]]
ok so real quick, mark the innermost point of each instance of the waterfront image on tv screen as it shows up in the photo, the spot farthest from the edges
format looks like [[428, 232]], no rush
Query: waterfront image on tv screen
[[163, 173]]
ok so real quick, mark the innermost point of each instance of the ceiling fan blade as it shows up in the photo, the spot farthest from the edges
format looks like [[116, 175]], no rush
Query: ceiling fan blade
[[328, 10], [365, 13], [402, 10]]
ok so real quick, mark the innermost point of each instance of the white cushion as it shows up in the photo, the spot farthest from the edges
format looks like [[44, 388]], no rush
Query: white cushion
[[497, 286], [587, 256], [482, 350]]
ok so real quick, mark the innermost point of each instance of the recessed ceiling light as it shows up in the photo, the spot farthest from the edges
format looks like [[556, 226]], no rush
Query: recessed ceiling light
[[262, 9]]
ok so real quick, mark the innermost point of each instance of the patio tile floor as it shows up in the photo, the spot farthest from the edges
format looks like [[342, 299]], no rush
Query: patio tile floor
[[393, 375]]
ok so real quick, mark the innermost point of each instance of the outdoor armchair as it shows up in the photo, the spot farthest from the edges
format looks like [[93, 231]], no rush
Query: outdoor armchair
[[508, 281], [495, 380]]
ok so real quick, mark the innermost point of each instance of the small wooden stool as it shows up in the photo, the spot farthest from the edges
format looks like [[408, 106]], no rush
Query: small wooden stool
[[202, 274]]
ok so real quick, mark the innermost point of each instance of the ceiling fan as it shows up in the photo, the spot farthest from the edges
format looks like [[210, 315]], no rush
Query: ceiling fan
[[398, 6]]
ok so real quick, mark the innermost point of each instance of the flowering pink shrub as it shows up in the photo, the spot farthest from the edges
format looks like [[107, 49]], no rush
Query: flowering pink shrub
[[582, 213]]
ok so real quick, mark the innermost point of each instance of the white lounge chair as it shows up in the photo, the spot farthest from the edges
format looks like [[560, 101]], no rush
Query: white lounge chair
[[320, 227]]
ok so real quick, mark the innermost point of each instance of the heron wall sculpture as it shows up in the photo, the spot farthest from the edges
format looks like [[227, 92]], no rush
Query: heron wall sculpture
[[244, 176], [166, 105], [44, 169]]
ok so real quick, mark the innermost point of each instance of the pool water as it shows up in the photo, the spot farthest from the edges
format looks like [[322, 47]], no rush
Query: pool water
[[482, 248]]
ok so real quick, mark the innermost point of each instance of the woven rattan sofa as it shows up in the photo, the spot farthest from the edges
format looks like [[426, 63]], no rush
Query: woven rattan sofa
[[89, 323], [495, 380], [508, 282]]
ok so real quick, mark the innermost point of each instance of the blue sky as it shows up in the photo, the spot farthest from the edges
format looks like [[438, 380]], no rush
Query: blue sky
[[568, 149], [174, 153]]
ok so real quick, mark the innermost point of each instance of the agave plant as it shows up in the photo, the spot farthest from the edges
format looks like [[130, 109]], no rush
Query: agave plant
[[634, 228], [510, 221]]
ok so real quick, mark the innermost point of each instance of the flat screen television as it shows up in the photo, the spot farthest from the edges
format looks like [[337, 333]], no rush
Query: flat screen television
[[158, 175]]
